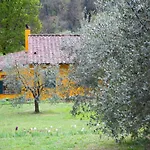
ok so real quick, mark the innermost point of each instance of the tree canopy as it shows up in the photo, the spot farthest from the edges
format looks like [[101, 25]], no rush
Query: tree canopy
[[14, 15], [113, 61], [31, 83], [64, 15]]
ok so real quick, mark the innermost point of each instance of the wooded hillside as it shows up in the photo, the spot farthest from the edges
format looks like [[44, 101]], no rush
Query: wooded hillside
[[64, 15]]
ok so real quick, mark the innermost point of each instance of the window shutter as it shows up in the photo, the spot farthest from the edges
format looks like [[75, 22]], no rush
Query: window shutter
[[1, 87]]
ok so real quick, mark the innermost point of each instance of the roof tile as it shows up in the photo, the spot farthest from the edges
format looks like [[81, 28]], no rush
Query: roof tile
[[43, 49]]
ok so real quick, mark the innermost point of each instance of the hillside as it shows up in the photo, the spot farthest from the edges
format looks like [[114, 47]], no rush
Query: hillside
[[64, 15]]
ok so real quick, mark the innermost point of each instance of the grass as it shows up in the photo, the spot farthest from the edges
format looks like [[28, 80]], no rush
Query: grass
[[53, 129]]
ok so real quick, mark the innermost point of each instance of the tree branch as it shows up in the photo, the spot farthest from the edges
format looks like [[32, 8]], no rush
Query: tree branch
[[23, 80], [137, 15]]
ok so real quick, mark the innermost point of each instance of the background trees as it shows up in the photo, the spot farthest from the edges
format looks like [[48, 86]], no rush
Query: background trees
[[14, 15], [113, 60], [52, 15], [74, 14], [64, 15]]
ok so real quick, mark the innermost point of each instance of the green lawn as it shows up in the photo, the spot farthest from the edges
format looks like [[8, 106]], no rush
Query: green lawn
[[53, 129]]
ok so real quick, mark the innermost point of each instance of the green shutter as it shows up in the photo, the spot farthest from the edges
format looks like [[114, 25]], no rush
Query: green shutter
[[1, 87]]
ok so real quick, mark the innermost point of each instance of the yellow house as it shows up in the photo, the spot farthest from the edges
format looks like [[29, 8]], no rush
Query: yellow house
[[43, 50]]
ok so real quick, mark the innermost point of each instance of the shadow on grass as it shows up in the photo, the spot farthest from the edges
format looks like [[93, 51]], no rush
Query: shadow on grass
[[46, 112]]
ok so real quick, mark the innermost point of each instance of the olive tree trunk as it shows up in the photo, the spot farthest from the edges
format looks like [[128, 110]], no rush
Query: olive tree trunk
[[36, 104]]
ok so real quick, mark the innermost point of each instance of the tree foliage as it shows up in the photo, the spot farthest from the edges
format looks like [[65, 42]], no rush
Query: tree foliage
[[31, 82], [113, 61], [62, 15], [52, 16], [14, 15], [74, 14]]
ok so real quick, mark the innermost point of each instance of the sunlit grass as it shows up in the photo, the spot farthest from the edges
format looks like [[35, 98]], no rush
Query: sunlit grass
[[53, 129]]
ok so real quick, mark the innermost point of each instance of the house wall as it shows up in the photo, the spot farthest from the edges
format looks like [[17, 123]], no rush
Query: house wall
[[64, 86], [5, 96]]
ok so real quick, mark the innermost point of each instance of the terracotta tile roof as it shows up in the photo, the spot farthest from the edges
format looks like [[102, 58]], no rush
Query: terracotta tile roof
[[12, 58], [47, 49], [43, 49]]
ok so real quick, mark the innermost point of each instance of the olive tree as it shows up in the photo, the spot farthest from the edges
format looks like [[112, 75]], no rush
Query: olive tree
[[113, 62], [32, 79]]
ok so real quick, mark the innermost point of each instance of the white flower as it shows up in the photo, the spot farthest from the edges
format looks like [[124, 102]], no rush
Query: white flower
[[31, 129], [56, 130], [45, 128], [34, 128], [82, 129], [51, 126], [73, 126], [98, 124], [49, 131]]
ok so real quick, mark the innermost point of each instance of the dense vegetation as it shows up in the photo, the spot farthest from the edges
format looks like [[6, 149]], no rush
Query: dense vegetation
[[14, 15], [113, 60], [63, 15]]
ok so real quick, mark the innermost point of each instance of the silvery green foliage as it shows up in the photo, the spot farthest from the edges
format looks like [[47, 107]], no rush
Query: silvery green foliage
[[98, 41], [115, 49], [36, 79], [12, 87], [22, 78], [49, 76]]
